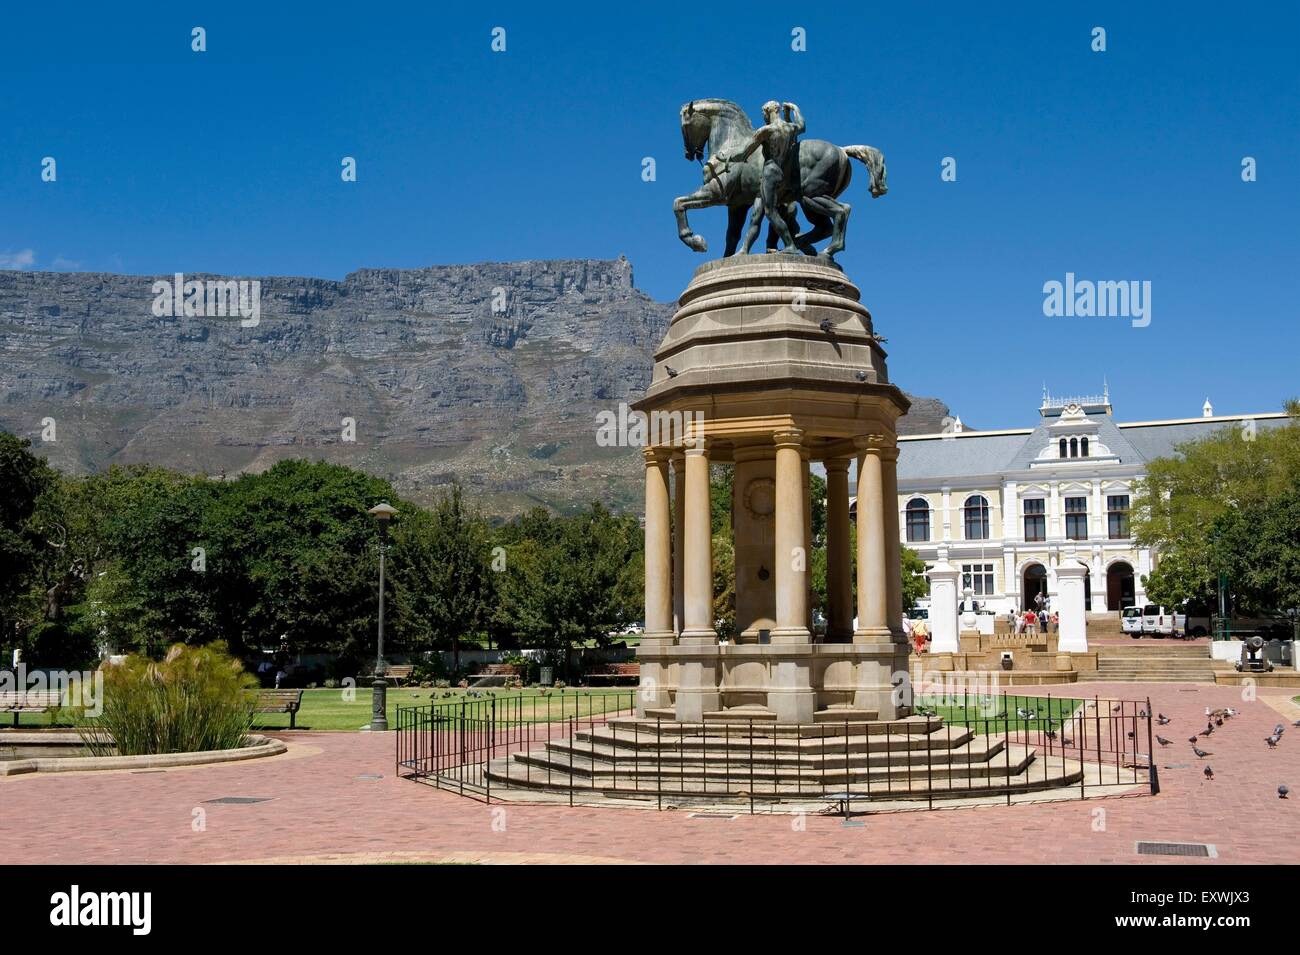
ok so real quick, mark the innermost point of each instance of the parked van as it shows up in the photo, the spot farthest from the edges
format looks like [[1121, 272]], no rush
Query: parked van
[[1159, 622], [1131, 621]]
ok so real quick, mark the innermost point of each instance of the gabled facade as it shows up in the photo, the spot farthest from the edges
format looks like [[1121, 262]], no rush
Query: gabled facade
[[1008, 507]]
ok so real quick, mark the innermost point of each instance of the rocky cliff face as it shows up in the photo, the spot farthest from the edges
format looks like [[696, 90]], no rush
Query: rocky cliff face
[[490, 374]]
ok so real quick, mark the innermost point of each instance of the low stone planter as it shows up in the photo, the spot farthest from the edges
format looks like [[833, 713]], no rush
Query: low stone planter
[[26, 745]]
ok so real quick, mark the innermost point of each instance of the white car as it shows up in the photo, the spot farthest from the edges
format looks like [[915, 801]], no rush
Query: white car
[[1159, 622], [1131, 621]]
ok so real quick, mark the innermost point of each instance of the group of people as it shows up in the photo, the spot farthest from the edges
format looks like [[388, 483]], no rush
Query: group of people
[[1038, 619], [1032, 621]]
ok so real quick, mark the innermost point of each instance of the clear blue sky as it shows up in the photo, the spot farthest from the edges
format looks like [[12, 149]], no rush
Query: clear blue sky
[[1117, 165]]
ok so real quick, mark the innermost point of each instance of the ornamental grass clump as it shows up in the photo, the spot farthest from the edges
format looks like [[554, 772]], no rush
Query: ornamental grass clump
[[194, 699]]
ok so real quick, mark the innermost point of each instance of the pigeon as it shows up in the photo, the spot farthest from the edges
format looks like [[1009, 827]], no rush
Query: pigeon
[[1272, 741], [672, 372], [1117, 707], [1209, 773], [1143, 712], [1129, 734], [1296, 723], [1193, 740], [1282, 791], [1200, 753], [826, 325], [1162, 719], [1278, 730], [1209, 728], [1050, 734], [1162, 741], [1218, 721]]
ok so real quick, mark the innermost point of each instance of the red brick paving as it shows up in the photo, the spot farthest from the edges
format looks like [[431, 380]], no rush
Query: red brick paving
[[321, 809]]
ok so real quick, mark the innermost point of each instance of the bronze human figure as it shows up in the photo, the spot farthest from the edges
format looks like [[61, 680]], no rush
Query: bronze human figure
[[818, 172]]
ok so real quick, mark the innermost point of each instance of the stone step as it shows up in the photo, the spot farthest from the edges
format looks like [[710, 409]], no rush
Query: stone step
[[666, 728], [1025, 774], [536, 765], [1098, 676], [971, 749], [741, 741]]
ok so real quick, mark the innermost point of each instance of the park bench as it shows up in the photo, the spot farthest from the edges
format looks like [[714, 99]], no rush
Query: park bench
[[280, 701], [613, 672], [503, 672], [29, 701], [396, 674]]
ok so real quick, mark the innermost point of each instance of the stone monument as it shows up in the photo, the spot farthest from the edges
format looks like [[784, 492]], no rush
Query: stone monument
[[773, 363]]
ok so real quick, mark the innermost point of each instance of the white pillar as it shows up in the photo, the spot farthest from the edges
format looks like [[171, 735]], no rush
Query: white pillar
[[1069, 607], [944, 579]]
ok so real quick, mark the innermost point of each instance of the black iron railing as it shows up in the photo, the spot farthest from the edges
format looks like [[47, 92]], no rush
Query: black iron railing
[[589, 747]]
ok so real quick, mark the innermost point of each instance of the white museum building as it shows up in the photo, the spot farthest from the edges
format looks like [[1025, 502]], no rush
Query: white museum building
[[1007, 508]]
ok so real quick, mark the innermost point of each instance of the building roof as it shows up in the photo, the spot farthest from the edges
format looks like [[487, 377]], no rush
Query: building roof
[[979, 453]]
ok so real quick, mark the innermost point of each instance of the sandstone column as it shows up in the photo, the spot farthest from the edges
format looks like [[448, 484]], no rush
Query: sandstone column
[[805, 471], [658, 547], [893, 544], [658, 583], [791, 557], [839, 560], [873, 561], [697, 686], [679, 540], [789, 692]]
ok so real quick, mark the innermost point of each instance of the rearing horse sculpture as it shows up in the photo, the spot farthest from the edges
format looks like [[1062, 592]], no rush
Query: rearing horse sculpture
[[824, 172]]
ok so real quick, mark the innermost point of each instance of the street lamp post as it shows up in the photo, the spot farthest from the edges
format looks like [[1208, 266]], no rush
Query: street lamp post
[[382, 512]]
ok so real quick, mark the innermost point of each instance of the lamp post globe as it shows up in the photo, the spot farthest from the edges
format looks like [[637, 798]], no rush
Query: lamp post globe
[[383, 512]]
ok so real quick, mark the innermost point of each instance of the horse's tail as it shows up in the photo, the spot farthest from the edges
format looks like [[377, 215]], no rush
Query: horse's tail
[[874, 160]]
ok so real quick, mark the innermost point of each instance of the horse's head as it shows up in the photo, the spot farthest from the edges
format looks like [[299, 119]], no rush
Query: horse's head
[[697, 125]]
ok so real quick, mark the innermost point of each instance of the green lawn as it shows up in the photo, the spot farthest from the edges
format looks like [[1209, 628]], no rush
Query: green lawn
[[985, 712], [324, 709]]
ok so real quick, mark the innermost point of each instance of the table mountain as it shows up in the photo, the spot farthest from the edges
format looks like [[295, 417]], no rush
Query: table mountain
[[490, 374]]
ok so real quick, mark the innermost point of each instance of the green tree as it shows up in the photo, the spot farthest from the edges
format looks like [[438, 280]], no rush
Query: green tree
[[569, 580], [442, 587], [1183, 510], [915, 586], [24, 478]]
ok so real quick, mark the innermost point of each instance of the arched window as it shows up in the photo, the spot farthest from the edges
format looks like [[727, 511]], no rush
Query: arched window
[[1083, 447], [1063, 447], [976, 513], [1074, 447], [918, 520]]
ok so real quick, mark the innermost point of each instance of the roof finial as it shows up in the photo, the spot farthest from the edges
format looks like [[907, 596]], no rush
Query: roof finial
[[1207, 409]]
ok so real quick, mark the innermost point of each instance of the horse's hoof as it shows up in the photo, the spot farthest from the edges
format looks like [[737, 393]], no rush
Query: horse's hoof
[[697, 243]]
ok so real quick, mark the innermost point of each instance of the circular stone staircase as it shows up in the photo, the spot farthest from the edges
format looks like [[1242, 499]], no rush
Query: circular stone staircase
[[907, 759]]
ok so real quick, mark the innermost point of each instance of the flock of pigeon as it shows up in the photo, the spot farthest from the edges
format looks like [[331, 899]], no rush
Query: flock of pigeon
[[1215, 719]]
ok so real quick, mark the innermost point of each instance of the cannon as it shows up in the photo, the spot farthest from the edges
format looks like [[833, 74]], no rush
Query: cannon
[[1252, 656]]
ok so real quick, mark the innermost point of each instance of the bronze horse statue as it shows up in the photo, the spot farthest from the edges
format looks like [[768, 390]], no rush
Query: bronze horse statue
[[723, 128]]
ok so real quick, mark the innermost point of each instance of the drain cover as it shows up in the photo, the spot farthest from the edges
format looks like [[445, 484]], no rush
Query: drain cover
[[711, 815], [370, 776], [239, 800], [1197, 850]]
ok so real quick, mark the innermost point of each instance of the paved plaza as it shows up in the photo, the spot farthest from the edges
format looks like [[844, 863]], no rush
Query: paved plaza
[[324, 807]]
